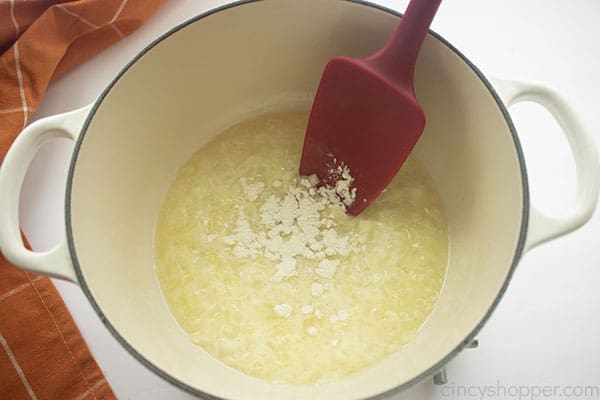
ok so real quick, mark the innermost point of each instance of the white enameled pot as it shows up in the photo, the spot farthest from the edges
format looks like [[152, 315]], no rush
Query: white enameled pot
[[249, 58]]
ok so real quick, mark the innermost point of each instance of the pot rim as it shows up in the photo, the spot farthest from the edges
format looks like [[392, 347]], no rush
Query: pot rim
[[197, 392]]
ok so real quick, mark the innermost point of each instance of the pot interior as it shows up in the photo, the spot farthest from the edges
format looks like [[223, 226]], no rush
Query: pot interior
[[250, 59]]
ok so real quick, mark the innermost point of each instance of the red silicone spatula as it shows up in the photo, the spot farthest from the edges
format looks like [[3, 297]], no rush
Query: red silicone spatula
[[365, 113]]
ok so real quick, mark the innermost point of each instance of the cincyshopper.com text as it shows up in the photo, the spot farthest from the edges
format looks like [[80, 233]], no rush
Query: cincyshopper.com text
[[520, 392]]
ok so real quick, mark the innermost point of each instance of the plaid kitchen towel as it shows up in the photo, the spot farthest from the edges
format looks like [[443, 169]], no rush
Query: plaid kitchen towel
[[42, 353]]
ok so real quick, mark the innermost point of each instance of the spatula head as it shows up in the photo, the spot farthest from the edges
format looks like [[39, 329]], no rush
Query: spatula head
[[368, 122]]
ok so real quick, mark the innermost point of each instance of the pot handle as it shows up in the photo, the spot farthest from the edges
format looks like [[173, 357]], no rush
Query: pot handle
[[57, 261], [542, 227]]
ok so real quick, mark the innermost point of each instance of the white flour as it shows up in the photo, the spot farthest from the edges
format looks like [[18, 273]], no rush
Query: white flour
[[295, 225], [283, 310], [317, 289], [252, 190], [340, 193]]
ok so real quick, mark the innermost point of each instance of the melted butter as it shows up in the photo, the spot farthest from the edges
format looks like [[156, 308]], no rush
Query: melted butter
[[376, 301]]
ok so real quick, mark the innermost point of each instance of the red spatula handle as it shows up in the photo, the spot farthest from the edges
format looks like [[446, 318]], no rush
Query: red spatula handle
[[398, 57]]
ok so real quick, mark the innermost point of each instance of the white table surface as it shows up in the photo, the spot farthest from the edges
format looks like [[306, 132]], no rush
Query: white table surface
[[546, 330]]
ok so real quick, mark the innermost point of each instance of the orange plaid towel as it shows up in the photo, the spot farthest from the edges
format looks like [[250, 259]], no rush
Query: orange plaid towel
[[42, 353]]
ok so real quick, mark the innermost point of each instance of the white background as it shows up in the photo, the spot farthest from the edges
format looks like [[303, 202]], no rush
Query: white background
[[546, 330]]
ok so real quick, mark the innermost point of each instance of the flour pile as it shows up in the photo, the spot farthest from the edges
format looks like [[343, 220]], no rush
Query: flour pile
[[297, 224]]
